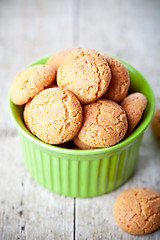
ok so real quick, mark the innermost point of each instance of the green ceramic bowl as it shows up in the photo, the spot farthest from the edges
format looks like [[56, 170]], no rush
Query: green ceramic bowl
[[84, 173]]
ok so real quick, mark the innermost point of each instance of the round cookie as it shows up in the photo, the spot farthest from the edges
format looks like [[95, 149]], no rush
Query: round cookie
[[156, 123], [56, 115], [137, 210], [55, 60], [85, 73], [134, 106], [30, 82], [80, 144], [119, 85], [105, 124]]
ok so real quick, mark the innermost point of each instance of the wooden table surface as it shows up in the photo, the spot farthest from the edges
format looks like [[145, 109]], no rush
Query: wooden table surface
[[32, 29]]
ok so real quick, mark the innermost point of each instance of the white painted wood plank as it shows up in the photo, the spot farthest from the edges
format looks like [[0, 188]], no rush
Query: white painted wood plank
[[29, 30], [27, 210]]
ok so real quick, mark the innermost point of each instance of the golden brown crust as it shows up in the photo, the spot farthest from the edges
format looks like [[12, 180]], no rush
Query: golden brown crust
[[30, 82], [119, 85], [55, 60], [55, 115], [137, 210], [105, 124], [134, 106], [86, 73], [156, 123]]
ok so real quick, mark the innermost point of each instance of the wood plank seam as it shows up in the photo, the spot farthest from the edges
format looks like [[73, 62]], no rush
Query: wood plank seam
[[74, 220]]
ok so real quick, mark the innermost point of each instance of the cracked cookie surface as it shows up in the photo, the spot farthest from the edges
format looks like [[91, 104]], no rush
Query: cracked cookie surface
[[134, 106], [105, 124], [55, 115], [30, 82], [137, 210], [119, 84], [85, 73]]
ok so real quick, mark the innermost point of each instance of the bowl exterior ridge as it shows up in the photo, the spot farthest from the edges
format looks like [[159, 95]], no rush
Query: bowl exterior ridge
[[83, 178]]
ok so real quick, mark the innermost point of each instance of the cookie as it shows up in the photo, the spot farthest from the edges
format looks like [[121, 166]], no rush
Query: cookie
[[30, 82], [137, 210], [85, 73], [55, 115], [55, 60], [156, 123], [119, 85], [105, 124], [80, 144], [134, 106]]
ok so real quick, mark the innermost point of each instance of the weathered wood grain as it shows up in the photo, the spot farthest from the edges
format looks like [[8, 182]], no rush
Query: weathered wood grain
[[27, 210], [33, 29], [29, 30]]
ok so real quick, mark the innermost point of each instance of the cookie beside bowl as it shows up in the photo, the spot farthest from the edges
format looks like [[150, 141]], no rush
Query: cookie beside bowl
[[84, 173]]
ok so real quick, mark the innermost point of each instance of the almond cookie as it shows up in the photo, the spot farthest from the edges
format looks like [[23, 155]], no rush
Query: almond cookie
[[55, 60], [134, 105], [80, 144], [119, 85], [85, 73], [105, 124], [30, 82], [156, 123], [137, 210], [56, 115]]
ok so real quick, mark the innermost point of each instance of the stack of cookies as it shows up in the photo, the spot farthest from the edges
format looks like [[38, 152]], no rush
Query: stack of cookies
[[79, 95]]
